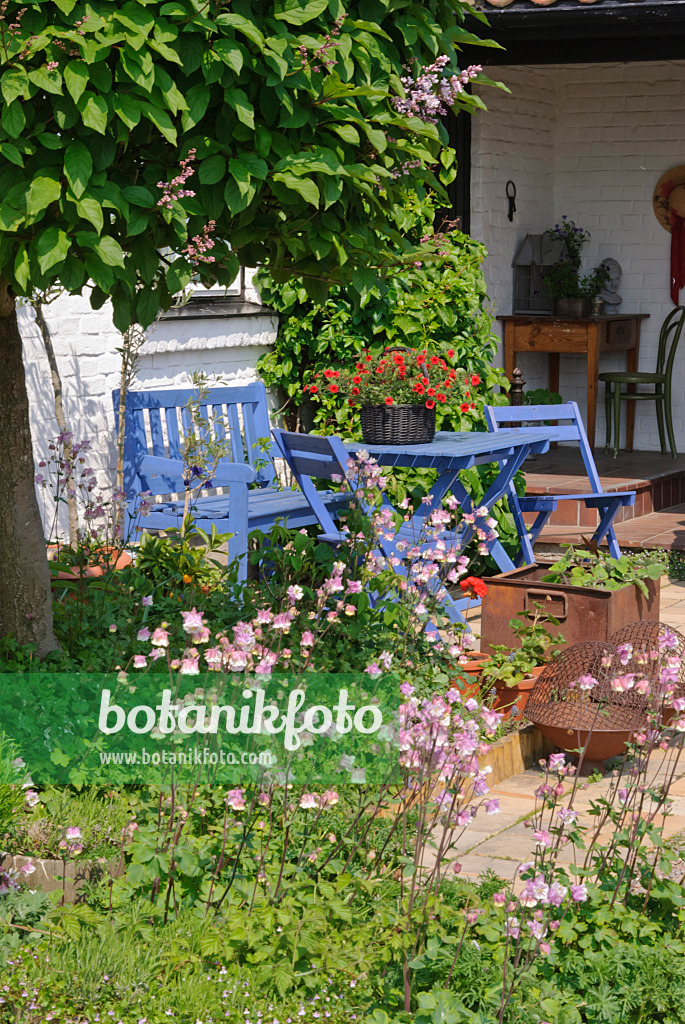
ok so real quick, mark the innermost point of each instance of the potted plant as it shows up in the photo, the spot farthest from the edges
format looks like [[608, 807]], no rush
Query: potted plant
[[572, 293], [397, 393], [513, 673], [589, 593]]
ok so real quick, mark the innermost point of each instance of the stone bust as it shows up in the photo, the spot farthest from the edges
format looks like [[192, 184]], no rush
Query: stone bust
[[609, 293]]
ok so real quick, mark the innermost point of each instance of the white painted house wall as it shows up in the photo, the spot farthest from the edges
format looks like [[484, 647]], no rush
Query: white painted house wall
[[589, 141], [85, 343]]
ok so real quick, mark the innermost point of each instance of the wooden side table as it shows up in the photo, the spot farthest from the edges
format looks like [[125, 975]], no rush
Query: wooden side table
[[589, 335]]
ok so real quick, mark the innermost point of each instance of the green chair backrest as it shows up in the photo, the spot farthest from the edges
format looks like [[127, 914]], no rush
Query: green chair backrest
[[673, 323]]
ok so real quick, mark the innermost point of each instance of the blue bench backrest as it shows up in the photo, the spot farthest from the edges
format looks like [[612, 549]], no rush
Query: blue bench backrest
[[495, 415], [154, 426]]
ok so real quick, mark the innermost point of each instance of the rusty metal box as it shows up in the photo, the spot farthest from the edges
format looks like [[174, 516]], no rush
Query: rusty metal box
[[584, 613]]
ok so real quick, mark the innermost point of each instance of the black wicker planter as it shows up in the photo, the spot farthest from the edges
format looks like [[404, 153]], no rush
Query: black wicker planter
[[397, 424]]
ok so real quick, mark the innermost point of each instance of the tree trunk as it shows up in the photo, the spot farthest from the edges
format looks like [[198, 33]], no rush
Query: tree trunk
[[59, 410], [25, 597]]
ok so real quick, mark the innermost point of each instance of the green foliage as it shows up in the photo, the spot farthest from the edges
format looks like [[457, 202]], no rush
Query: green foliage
[[439, 304], [536, 647], [541, 396], [599, 570], [101, 818], [102, 101], [187, 556], [12, 775]]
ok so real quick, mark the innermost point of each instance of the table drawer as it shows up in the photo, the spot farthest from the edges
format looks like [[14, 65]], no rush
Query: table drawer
[[620, 335], [550, 337]]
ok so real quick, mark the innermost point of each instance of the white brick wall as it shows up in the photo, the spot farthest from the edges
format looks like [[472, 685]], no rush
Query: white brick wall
[[85, 343], [589, 141]]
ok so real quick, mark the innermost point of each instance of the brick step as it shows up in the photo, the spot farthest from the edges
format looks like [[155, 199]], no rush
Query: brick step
[[663, 529]]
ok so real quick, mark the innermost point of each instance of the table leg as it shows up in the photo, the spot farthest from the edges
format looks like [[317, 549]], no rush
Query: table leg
[[633, 354], [554, 372], [592, 371], [509, 350]]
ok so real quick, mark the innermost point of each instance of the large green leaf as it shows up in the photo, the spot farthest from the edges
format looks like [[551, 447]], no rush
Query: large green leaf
[[13, 119], [237, 99], [230, 53], [14, 83], [76, 78], [43, 191], [91, 211], [94, 112], [297, 13], [109, 251], [306, 187], [212, 169], [128, 108], [78, 167], [138, 195], [52, 247], [50, 81]]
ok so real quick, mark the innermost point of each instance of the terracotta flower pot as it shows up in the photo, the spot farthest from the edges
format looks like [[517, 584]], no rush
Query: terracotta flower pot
[[107, 558], [468, 679], [515, 696], [598, 744]]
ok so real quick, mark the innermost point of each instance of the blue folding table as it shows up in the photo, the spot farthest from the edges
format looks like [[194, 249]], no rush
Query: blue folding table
[[449, 453]]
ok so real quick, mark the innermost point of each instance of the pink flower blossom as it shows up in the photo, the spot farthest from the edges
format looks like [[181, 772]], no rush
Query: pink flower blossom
[[160, 637], [235, 798], [139, 661]]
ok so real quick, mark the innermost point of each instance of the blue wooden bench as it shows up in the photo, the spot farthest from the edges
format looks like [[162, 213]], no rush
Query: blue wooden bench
[[154, 425], [607, 503]]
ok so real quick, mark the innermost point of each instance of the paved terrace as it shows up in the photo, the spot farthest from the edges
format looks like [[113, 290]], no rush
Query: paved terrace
[[503, 841]]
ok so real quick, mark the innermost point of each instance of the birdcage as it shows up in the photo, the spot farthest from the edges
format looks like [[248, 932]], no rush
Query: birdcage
[[590, 721], [535, 257], [651, 644]]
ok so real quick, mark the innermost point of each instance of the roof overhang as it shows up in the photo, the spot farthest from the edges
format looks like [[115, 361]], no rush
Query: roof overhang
[[580, 31]]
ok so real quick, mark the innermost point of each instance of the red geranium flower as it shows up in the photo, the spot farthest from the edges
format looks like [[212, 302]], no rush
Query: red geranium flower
[[355, 391], [434, 360], [357, 379], [464, 406], [328, 374], [473, 586], [368, 357], [420, 360], [441, 398], [313, 389], [450, 353], [475, 380], [388, 400], [334, 389], [431, 391], [430, 404]]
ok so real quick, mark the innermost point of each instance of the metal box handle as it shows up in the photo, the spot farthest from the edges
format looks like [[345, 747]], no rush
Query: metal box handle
[[552, 601]]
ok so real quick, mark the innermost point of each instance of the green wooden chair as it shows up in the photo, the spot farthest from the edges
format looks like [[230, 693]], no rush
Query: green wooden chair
[[668, 343]]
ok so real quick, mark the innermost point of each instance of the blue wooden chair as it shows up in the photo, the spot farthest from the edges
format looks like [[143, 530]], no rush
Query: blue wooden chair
[[154, 425], [312, 457], [606, 502]]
